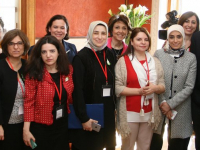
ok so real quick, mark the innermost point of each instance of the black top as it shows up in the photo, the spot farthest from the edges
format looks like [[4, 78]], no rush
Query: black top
[[117, 52], [195, 49], [8, 89], [88, 79], [56, 79]]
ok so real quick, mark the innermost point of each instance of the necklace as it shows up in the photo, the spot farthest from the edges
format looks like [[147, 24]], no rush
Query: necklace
[[117, 52]]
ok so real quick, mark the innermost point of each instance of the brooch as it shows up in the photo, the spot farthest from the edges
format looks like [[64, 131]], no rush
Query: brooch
[[66, 79]]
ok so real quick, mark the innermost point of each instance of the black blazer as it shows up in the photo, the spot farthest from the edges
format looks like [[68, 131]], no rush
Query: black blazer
[[69, 48], [8, 89], [195, 49]]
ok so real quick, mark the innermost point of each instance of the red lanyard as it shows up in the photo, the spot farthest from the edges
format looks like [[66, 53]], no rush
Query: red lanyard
[[147, 71], [59, 93], [17, 76], [104, 70]]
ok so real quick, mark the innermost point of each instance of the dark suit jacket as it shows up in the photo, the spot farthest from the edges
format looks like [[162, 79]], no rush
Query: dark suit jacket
[[8, 89], [69, 48], [195, 48]]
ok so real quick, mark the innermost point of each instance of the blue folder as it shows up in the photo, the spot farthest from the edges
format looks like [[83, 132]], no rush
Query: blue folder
[[94, 111]]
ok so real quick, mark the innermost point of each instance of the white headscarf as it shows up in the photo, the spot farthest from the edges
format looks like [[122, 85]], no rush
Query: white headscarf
[[90, 43], [178, 28]]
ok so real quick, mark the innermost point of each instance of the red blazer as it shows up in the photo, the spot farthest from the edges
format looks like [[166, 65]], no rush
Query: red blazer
[[39, 95]]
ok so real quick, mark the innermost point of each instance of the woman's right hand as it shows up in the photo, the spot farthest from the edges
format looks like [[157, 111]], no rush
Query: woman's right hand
[[27, 136], [1, 133], [88, 125]]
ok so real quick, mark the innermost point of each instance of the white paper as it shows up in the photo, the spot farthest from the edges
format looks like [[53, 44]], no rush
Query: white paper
[[106, 92], [21, 110], [59, 113]]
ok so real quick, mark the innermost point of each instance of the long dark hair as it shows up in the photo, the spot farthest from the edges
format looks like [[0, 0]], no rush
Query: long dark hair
[[187, 15], [35, 64], [58, 17], [134, 32]]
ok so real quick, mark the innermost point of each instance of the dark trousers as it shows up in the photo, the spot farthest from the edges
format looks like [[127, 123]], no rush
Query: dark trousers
[[196, 125], [13, 137], [173, 143]]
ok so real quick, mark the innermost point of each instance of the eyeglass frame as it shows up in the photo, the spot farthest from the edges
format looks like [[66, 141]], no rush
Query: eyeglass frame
[[19, 44]]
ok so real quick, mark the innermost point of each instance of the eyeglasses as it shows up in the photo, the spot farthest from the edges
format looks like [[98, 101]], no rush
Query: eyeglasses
[[19, 44]]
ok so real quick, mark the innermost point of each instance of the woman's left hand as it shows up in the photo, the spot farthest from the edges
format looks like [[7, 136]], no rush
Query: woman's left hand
[[169, 115], [151, 88], [165, 107]]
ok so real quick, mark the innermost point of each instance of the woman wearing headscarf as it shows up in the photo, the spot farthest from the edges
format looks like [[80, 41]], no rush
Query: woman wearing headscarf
[[180, 72], [93, 74]]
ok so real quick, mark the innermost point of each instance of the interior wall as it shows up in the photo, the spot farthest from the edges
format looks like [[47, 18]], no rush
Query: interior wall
[[80, 13]]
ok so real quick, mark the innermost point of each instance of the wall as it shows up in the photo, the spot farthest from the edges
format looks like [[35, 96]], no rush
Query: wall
[[79, 13]]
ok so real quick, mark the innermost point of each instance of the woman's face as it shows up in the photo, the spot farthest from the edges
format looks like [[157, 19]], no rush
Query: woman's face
[[190, 25], [99, 35], [120, 31], [175, 40], [16, 47], [49, 54], [140, 42], [58, 29]]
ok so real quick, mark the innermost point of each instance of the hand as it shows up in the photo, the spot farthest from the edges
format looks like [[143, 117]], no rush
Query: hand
[[141, 92], [27, 136], [151, 88], [1, 133], [165, 107], [169, 115], [88, 125]]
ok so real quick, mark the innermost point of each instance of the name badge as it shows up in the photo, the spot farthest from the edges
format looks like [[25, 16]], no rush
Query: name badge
[[21, 110], [106, 90], [59, 112]]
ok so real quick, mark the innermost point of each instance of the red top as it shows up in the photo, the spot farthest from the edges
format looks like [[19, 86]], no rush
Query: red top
[[39, 95], [133, 103]]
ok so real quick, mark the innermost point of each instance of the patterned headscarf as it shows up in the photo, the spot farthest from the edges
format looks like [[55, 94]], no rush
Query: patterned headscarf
[[90, 43], [178, 28]]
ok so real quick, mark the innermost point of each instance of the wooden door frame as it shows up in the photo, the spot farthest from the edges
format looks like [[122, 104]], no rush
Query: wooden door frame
[[28, 19]]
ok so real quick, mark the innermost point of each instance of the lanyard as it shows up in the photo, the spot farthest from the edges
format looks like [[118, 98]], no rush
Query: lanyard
[[17, 75], [104, 70], [59, 93], [147, 71]]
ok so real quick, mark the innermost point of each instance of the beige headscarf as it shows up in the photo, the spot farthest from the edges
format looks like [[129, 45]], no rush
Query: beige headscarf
[[178, 28], [90, 43]]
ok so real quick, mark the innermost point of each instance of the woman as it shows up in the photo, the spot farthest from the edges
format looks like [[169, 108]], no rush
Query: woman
[[58, 27], [49, 89], [93, 75], [14, 44], [195, 46], [180, 72], [190, 23], [119, 28], [139, 78]]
